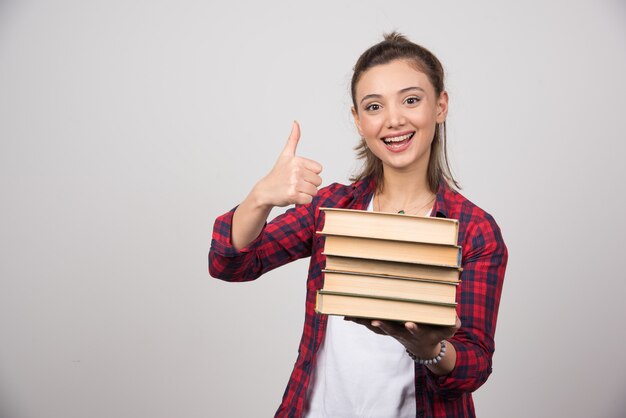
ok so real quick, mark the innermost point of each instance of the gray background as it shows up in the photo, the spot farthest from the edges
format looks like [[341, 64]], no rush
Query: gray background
[[126, 127]]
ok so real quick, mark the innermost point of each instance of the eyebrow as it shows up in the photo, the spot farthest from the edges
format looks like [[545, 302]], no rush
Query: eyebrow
[[404, 90]]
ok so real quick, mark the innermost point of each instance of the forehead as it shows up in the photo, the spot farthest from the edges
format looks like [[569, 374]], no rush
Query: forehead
[[392, 77]]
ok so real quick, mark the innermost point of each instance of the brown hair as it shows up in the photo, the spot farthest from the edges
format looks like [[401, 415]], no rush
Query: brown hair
[[396, 46]]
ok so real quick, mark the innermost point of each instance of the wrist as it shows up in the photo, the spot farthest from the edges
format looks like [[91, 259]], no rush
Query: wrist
[[434, 357], [427, 352], [258, 200]]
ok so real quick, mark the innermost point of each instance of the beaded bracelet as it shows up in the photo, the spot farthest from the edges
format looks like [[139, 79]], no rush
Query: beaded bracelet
[[442, 352]]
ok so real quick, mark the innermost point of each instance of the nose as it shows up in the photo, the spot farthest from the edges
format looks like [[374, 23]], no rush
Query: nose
[[395, 117]]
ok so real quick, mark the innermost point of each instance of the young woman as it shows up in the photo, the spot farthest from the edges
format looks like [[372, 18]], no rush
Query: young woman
[[375, 368]]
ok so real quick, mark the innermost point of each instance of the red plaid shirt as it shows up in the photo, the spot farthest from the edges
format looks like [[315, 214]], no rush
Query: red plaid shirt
[[291, 236]]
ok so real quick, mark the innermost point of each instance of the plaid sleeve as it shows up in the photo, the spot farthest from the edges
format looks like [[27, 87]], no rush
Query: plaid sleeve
[[286, 238], [484, 264]]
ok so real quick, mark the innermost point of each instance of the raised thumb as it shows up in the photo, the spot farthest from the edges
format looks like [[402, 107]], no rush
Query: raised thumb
[[292, 142]]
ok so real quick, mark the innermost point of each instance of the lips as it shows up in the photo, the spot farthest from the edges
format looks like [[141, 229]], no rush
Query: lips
[[397, 142]]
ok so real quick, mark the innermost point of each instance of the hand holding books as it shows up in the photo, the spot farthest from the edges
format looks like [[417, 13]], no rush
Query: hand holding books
[[422, 340]]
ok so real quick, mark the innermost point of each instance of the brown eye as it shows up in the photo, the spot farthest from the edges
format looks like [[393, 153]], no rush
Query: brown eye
[[373, 107], [412, 100]]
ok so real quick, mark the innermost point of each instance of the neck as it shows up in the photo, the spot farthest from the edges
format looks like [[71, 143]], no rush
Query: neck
[[405, 188]]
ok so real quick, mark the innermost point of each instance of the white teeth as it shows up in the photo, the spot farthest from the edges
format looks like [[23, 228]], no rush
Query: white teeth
[[397, 138]]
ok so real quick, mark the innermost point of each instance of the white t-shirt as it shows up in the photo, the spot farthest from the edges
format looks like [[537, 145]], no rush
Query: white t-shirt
[[358, 373]]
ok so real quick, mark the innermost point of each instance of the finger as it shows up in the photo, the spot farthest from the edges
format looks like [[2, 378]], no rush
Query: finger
[[375, 330], [388, 327], [367, 324], [302, 199], [306, 187], [314, 166], [312, 178], [412, 327], [292, 141]]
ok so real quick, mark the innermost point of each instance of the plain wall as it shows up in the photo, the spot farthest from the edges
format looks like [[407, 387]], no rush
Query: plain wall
[[126, 127]]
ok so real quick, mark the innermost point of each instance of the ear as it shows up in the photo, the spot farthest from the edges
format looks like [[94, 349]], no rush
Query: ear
[[442, 107], [357, 120]]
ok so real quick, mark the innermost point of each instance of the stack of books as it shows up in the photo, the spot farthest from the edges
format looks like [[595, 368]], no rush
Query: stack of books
[[390, 266]]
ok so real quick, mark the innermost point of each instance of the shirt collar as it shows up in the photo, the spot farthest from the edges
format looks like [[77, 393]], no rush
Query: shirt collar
[[363, 190], [441, 206]]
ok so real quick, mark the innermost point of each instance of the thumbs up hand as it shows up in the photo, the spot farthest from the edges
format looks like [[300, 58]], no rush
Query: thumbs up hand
[[292, 180]]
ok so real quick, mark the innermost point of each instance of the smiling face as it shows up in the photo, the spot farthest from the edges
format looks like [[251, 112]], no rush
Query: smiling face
[[396, 113]]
